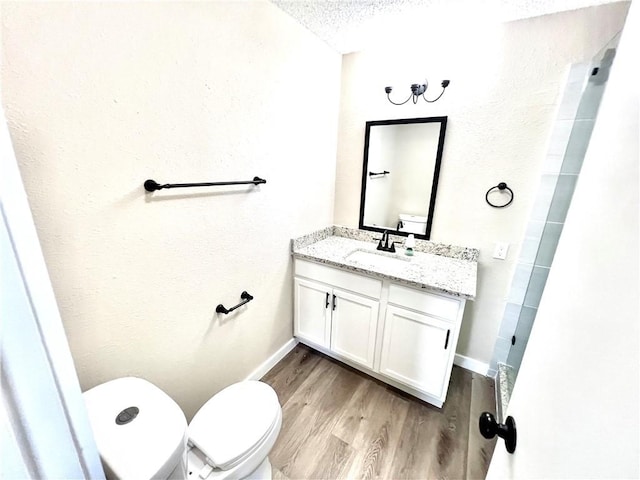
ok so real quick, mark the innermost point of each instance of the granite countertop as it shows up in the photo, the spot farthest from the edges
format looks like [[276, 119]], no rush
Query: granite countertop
[[435, 267]]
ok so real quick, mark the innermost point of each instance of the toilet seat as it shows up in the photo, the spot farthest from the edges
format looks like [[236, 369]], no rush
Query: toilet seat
[[233, 424]]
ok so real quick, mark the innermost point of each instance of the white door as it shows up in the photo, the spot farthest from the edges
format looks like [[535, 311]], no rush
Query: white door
[[416, 349], [353, 327], [576, 401], [312, 311]]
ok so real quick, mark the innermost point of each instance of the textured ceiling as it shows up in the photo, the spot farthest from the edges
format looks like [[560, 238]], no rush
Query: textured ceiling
[[352, 25]]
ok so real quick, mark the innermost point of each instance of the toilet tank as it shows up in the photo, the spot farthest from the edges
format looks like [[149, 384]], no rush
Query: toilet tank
[[413, 223], [139, 430]]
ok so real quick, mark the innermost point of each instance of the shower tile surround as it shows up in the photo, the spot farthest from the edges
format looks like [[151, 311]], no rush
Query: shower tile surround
[[568, 141], [445, 268]]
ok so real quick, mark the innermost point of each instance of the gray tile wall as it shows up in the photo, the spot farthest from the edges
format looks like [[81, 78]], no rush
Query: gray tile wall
[[567, 145]]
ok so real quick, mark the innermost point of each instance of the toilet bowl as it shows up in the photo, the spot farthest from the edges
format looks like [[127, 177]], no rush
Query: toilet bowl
[[141, 433]]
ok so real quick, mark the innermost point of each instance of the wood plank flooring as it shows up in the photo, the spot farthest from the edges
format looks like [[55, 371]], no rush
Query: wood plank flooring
[[341, 424]]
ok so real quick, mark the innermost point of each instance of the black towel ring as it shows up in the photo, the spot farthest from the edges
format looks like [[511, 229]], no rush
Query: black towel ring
[[501, 186]]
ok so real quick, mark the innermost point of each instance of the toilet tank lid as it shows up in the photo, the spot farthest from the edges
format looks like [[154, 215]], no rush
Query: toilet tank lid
[[234, 421], [405, 217], [146, 441]]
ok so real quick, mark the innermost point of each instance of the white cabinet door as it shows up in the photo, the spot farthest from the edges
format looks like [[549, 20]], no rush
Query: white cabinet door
[[353, 327], [312, 311], [416, 349]]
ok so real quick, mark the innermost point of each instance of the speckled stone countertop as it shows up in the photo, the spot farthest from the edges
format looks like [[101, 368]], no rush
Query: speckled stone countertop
[[436, 267]]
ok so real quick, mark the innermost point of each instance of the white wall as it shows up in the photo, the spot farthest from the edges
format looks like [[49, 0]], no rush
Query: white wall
[[101, 96], [505, 83]]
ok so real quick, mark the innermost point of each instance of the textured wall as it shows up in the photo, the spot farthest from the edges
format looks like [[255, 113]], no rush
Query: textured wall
[[100, 97], [505, 83]]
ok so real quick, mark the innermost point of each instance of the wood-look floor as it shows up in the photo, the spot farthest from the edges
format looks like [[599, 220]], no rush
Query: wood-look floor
[[341, 424]]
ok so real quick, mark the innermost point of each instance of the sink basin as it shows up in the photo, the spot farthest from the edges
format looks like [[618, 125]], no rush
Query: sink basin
[[374, 259]]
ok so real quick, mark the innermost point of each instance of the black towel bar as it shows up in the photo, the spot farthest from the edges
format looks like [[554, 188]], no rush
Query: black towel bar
[[246, 298], [152, 185]]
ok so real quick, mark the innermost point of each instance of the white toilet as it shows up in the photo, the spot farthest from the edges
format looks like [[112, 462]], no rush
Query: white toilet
[[412, 223], [141, 433]]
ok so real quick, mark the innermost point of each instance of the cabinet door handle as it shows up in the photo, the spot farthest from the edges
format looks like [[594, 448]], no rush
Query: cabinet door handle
[[446, 341], [333, 307], [326, 300]]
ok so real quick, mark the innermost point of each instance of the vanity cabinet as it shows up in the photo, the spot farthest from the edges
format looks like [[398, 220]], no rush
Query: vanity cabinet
[[354, 323], [333, 318], [312, 316], [328, 316], [401, 335], [420, 334]]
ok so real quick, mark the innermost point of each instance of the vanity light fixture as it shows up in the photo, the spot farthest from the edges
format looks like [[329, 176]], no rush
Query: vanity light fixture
[[418, 91]]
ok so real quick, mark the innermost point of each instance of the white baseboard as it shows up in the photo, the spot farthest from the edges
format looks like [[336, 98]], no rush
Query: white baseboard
[[460, 360], [270, 362], [471, 364]]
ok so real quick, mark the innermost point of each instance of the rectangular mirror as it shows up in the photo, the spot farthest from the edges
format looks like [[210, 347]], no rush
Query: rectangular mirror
[[400, 174]]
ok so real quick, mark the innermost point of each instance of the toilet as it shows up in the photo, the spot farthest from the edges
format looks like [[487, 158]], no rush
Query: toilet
[[141, 433], [412, 223]]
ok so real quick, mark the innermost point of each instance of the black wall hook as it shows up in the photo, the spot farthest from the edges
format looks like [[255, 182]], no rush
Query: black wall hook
[[244, 296], [501, 187], [489, 428]]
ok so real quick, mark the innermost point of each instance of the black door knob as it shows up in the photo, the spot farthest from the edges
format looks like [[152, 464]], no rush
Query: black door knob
[[489, 428]]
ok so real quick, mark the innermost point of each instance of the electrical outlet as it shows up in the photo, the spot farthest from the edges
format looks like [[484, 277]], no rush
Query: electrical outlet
[[500, 252]]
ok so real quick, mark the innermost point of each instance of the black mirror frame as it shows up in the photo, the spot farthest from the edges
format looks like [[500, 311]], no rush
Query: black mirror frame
[[436, 171]]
